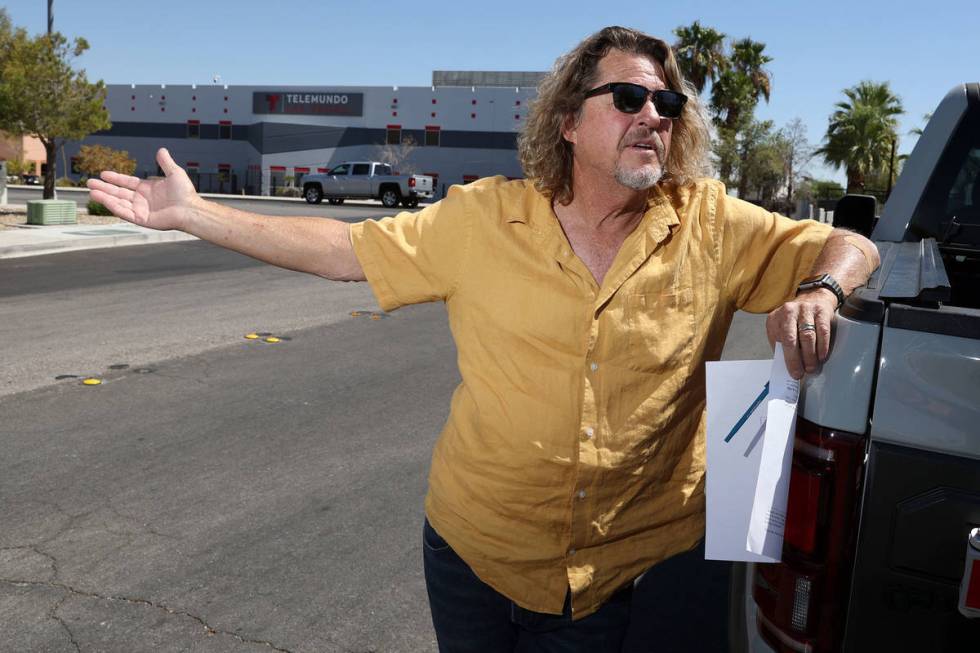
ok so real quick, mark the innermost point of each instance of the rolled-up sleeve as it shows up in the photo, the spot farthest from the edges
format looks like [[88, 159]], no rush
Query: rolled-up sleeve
[[764, 256], [413, 258]]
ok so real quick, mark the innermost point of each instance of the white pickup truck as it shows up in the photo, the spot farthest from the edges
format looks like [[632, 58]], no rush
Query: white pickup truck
[[367, 180]]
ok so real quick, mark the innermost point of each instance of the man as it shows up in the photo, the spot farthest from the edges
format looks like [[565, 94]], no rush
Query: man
[[584, 303]]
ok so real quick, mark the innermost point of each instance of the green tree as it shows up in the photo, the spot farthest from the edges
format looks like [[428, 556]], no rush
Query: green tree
[[700, 53], [861, 132], [6, 32], [17, 167], [735, 95], [821, 189], [738, 89], [93, 159], [42, 96], [917, 131]]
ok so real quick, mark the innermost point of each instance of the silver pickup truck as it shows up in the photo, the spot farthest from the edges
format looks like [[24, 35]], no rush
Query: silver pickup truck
[[885, 485], [367, 180]]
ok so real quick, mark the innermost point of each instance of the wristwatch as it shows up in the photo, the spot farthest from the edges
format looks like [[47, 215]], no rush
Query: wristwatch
[[822, 281]]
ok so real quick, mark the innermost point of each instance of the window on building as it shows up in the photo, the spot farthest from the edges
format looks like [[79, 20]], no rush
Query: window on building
[[361, 169], [193, 129], [74, 166], [224, 131], [431, 136], [394, 136], [299, 173]]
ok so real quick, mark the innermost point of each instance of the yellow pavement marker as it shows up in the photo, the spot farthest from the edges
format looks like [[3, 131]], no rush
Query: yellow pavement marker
[[92, 381]]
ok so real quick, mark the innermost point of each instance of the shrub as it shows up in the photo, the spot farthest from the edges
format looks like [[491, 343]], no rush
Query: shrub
[[64, 182], [94, 208], [93, 159], [288, 191]]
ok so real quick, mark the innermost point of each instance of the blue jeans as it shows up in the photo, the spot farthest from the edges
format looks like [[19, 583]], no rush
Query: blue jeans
[[469, 616]]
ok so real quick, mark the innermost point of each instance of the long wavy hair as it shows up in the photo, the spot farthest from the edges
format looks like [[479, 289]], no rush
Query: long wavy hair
[[547, 157]]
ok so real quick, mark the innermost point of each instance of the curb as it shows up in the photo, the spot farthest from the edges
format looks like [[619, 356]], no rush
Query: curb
[[93, 242], [66, 192]]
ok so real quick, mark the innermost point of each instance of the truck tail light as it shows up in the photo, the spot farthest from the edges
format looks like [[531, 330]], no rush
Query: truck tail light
[[411, 182], [802, 600]]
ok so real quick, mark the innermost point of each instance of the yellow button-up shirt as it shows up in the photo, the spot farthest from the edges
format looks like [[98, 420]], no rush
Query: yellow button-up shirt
[[573, 457]]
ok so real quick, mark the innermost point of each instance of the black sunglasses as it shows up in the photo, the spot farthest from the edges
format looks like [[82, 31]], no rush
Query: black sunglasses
[[630, 98]]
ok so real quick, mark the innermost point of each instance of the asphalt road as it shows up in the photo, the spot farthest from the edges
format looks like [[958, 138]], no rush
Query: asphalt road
[[220, 494]]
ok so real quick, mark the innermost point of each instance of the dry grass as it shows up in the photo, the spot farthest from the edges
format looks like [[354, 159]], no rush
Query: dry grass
[[14, 216]]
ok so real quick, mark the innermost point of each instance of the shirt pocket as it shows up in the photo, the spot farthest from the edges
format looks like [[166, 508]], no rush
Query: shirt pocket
[[660, 330]]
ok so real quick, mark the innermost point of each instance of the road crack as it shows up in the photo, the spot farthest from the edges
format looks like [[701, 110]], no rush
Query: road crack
[[33, 548], [132, 601], [53, 614]]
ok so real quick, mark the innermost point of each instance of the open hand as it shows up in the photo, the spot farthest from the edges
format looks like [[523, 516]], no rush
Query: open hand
[[158, 204], [803, 327]]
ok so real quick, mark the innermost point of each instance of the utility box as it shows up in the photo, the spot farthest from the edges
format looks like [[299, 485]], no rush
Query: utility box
[[52, 212]]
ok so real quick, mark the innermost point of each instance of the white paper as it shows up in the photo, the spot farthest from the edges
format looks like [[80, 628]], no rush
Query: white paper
[[772, 488], [735, 429], [751, 421]]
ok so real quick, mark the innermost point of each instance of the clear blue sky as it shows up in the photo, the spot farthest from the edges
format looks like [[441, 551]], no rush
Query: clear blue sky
[[818, 48]]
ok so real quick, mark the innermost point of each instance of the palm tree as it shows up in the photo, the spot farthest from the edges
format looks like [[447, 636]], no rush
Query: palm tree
[[740, 86], [735, 94], [700, 54], [917, 131], [862, 130]]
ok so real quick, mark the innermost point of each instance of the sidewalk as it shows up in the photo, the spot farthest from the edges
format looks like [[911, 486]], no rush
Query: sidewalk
[[18, 240], [93, 232]]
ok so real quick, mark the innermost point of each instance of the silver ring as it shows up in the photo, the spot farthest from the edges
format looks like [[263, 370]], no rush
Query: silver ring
[[807, 327]]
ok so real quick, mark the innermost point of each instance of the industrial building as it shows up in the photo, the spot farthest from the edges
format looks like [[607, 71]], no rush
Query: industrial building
[[258, 139]]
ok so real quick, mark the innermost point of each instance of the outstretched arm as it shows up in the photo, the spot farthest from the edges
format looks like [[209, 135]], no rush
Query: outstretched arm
[[318, 246]]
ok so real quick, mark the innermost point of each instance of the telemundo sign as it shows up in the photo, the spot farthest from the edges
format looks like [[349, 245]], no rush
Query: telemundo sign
[[320, 103]]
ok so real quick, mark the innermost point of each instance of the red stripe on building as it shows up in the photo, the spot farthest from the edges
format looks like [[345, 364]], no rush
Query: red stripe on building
[[224, 122], [432, 128], [224, 166], [277, 168], [301, 169], [193, 122], [394, 126], [192, 164]]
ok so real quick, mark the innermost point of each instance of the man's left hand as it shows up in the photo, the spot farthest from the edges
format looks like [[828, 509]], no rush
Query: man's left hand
[[803, 328]]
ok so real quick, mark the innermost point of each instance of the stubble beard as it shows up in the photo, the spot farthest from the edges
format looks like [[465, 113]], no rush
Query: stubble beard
[[639, 179], [646, 176]]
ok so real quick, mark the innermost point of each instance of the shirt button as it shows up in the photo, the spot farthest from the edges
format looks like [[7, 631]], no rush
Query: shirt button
[[594, 366], [589, 432], [581, 494], [571, 552]]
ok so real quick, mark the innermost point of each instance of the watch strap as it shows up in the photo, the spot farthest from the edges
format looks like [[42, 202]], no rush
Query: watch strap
[[823, 281]]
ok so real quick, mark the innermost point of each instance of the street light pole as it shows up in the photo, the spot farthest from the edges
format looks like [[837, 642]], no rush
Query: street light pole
[[50, 16]]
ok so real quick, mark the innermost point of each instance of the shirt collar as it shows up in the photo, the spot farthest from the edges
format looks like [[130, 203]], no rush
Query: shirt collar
[[536, 212]]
